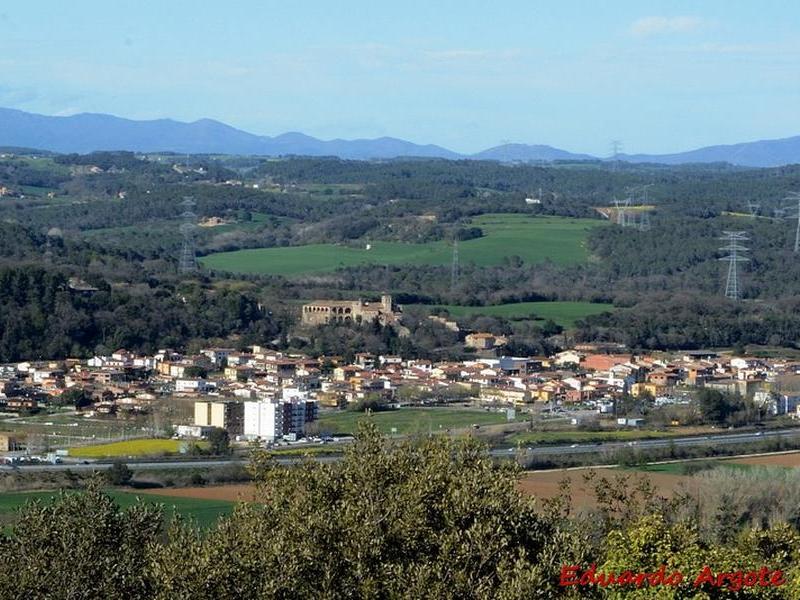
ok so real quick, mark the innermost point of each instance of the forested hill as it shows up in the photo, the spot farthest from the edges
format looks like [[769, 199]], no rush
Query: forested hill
[[113, 220], [41, 317]]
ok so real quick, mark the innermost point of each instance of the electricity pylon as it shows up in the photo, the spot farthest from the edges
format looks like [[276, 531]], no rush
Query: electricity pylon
[[733, 259]]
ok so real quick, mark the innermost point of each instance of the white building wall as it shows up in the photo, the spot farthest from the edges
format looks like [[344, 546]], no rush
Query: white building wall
[[261, 420]]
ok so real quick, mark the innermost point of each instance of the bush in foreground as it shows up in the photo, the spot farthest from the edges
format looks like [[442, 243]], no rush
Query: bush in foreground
[[432, 518]]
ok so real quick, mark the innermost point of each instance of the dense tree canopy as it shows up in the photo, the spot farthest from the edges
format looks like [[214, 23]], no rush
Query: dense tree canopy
[[431, 518]]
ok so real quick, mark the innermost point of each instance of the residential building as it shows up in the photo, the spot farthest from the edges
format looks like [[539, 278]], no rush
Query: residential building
[[227, 415]]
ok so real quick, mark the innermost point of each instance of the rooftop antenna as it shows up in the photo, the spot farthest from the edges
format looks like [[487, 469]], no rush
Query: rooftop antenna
[[733, 259], [454, 269], [188, 259]]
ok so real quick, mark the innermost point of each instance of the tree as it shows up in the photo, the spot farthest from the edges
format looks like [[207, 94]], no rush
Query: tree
[[717, 407], [77, 397], [82, 545], [119, 474], [430, 519], [218, 442], [195, 371]]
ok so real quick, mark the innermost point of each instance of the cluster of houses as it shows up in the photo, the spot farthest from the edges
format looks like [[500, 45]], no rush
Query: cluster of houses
[[263, 393]]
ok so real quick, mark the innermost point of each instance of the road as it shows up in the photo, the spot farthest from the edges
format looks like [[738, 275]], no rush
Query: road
[[720, 438]]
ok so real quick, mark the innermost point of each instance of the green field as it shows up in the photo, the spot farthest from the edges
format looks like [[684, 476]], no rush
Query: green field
[[143, 447], [589, 437], [562, 313], [535, 239], [410, 420], [204, 512]]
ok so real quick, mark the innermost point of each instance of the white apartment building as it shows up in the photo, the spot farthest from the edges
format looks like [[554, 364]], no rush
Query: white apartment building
[[263, 419], [272, 419]]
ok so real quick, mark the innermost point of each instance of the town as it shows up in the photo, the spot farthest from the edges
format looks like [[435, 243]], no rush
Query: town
[[257, 394]]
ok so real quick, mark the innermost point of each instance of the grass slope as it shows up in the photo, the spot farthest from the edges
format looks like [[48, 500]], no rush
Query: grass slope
[[562, 313], [534, 239]]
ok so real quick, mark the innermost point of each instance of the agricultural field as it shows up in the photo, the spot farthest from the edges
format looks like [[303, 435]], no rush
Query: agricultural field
[[203, 511], [411, 420], [588, 437], [547, 484], [562, 313], [561, 240], [129, 448]]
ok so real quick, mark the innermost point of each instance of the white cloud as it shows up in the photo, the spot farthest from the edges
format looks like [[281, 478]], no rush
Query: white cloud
[[656, 25]]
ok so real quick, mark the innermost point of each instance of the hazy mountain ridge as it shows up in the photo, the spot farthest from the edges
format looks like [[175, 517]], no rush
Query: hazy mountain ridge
[[88, 132]]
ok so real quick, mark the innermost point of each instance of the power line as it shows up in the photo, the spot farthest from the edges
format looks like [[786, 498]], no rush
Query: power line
[[733, 259]]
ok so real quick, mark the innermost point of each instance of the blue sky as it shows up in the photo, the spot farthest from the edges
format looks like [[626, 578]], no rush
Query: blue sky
[[660, 76]]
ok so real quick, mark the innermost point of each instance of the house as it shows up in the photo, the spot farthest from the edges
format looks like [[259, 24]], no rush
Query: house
[[196, 386], [484, 341], [505, 395], [238, 373], [11, 442], [568, 357], [604, 362]]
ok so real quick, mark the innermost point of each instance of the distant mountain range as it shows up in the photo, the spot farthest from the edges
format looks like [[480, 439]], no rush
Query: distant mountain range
[[88, 132]]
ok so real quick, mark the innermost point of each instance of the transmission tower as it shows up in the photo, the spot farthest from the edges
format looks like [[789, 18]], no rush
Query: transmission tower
[[616, 148], [644, 221], [795, 197], [752, 208], [644, 189], [188, 258], [621, 207], [454, 269], [733, 259]]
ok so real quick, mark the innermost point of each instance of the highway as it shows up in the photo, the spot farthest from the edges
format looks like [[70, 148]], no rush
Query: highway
[[533, 450]]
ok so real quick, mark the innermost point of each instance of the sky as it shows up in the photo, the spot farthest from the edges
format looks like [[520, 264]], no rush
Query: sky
[[576, 74]]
